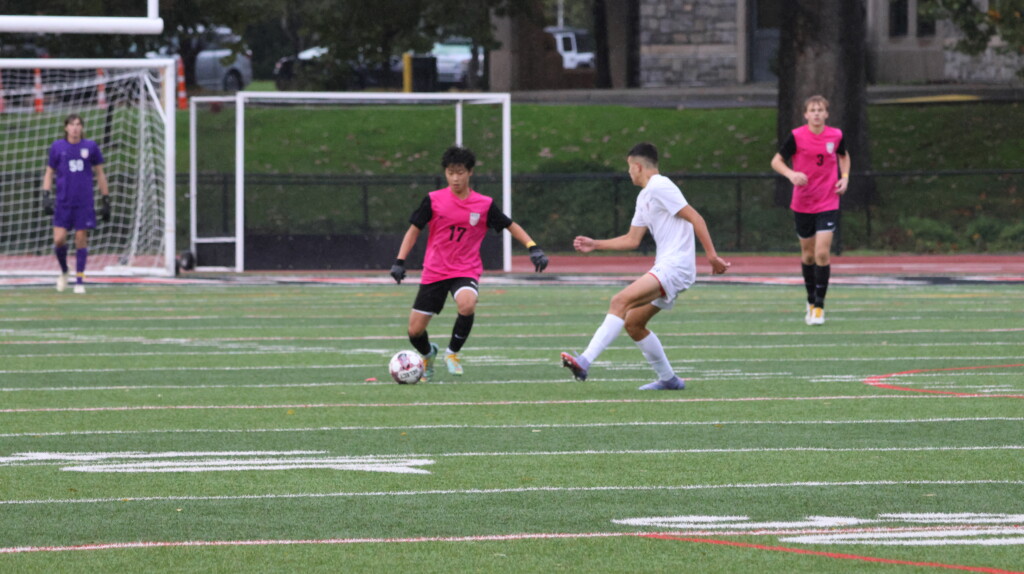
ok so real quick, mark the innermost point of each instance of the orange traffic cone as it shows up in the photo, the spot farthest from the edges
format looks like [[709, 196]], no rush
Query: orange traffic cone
[[37, 91], [182, 94], [101, 90]]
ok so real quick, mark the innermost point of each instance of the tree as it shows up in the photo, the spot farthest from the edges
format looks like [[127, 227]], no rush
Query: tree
[[822, 50], [1003, 20]]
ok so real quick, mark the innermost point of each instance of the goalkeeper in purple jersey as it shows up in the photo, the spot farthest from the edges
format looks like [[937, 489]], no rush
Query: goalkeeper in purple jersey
[[74, 161]]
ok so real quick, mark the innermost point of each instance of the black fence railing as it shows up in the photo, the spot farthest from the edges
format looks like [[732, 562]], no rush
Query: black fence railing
[[907, 211]]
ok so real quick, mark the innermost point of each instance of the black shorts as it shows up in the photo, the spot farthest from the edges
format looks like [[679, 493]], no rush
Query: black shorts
[[808, 224], [431, 297]]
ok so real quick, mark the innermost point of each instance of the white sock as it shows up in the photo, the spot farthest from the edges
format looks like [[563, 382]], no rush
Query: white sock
[[604, 336], [651, 347]]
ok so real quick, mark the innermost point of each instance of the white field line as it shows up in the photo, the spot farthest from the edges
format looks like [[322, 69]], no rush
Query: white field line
[[913, 396], [326, 350], [91, 337], [521, 490], [511, 362], [384, 381], [719, 423], [716, 376], [877, 530], [274, 460]]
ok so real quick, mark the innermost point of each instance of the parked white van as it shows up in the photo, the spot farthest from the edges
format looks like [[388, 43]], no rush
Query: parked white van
[[575, 45]]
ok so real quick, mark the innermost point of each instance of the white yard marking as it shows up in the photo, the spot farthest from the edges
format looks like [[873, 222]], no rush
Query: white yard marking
[[524, 490], [480, 403], [149, 462], [511, 427], [219, 460], [939, 529]]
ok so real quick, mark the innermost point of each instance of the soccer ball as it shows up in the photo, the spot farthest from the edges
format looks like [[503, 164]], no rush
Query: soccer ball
[[406, 367]]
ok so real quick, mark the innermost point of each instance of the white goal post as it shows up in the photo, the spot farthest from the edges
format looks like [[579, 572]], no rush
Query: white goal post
[[127, 107], [150, 24], [234, 238]]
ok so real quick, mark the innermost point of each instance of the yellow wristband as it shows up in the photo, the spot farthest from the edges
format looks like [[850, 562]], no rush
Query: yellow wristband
[[846, 176], [531, 244]]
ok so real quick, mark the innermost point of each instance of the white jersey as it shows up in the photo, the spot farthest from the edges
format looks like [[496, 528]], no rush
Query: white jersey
[[656, 209]]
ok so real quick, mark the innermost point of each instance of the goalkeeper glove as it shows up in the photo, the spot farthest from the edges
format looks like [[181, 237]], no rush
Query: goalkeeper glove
[[539, 260], [105, 208], [398, 270], [47, 202]]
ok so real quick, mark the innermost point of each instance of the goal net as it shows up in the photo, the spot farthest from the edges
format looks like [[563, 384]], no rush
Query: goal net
[[127, 108], [317, 180]]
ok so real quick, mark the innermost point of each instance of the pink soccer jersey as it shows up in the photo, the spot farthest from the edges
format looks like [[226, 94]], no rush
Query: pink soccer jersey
[[457, 229], [816, 157]]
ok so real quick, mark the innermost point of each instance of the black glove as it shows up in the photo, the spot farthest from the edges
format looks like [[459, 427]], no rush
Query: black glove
[[539, 260], [398, 270], [105, 208], [47, 202]]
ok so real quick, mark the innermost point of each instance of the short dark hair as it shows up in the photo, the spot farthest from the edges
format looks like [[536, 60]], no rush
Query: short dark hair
[[646, 151], [73, 117], [456, 155]]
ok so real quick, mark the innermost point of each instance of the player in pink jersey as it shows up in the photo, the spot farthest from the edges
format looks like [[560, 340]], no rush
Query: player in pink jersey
[[819, 156], [457, 219], [73, 162]]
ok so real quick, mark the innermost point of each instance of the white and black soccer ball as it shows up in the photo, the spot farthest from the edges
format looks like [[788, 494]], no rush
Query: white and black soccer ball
[[406, 367]]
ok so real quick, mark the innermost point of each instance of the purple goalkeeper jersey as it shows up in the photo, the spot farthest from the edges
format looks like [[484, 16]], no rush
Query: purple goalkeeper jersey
[[73, 164]]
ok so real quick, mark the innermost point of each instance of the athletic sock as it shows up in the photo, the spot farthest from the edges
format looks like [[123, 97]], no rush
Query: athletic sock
[[62, 257], [651, 347], [460, 332], [809, 282], [822, 273], [606, 333], [421, 343], [81, 255]]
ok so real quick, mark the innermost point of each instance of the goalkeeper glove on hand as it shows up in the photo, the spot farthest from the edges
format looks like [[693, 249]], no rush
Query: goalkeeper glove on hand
[[47, 202], [398, 270], [105, 208], [539, 260]]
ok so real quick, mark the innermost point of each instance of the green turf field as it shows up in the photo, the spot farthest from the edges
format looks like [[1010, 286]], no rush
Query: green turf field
[[252, 428]]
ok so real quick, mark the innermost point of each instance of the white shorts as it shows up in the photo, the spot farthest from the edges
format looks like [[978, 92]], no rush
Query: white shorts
[[674, 280]]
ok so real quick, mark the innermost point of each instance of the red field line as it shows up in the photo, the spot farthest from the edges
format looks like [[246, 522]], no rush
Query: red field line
[[834, 554], [876, 381]]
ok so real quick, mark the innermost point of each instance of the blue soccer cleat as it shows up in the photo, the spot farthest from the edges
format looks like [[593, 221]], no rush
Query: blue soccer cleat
[[673, 384]]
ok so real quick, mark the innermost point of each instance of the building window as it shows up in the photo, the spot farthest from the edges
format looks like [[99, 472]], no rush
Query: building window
[[925, 23], [899, 21]]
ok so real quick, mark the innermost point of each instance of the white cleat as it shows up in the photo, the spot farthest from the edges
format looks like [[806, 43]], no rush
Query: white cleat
[[62, 282], [810, 314], [817, 316], [79, 289]]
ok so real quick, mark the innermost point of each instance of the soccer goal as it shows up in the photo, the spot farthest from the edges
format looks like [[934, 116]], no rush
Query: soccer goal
[[251, 208], [127, 107]]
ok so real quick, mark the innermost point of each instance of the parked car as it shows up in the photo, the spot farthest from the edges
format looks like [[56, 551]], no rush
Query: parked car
[[453, 58], [575, 45], [218, 65]]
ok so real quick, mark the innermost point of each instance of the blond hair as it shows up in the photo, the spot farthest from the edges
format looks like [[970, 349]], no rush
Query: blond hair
[[816, 99]]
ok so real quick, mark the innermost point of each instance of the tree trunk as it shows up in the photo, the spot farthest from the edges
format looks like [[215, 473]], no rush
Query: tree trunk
[[822, 50], [601, 63]]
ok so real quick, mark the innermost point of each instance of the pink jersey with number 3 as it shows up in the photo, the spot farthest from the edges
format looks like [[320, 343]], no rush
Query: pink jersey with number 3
[[457, 229], [816, 157]]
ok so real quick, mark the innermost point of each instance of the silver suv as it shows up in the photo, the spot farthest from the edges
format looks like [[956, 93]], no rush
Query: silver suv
[[217, 66]]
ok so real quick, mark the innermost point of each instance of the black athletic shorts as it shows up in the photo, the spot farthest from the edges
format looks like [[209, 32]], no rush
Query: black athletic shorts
[[808, 224], [431, 297]]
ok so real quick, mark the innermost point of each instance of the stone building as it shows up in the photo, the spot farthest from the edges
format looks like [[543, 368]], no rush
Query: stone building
[[670, 43]]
